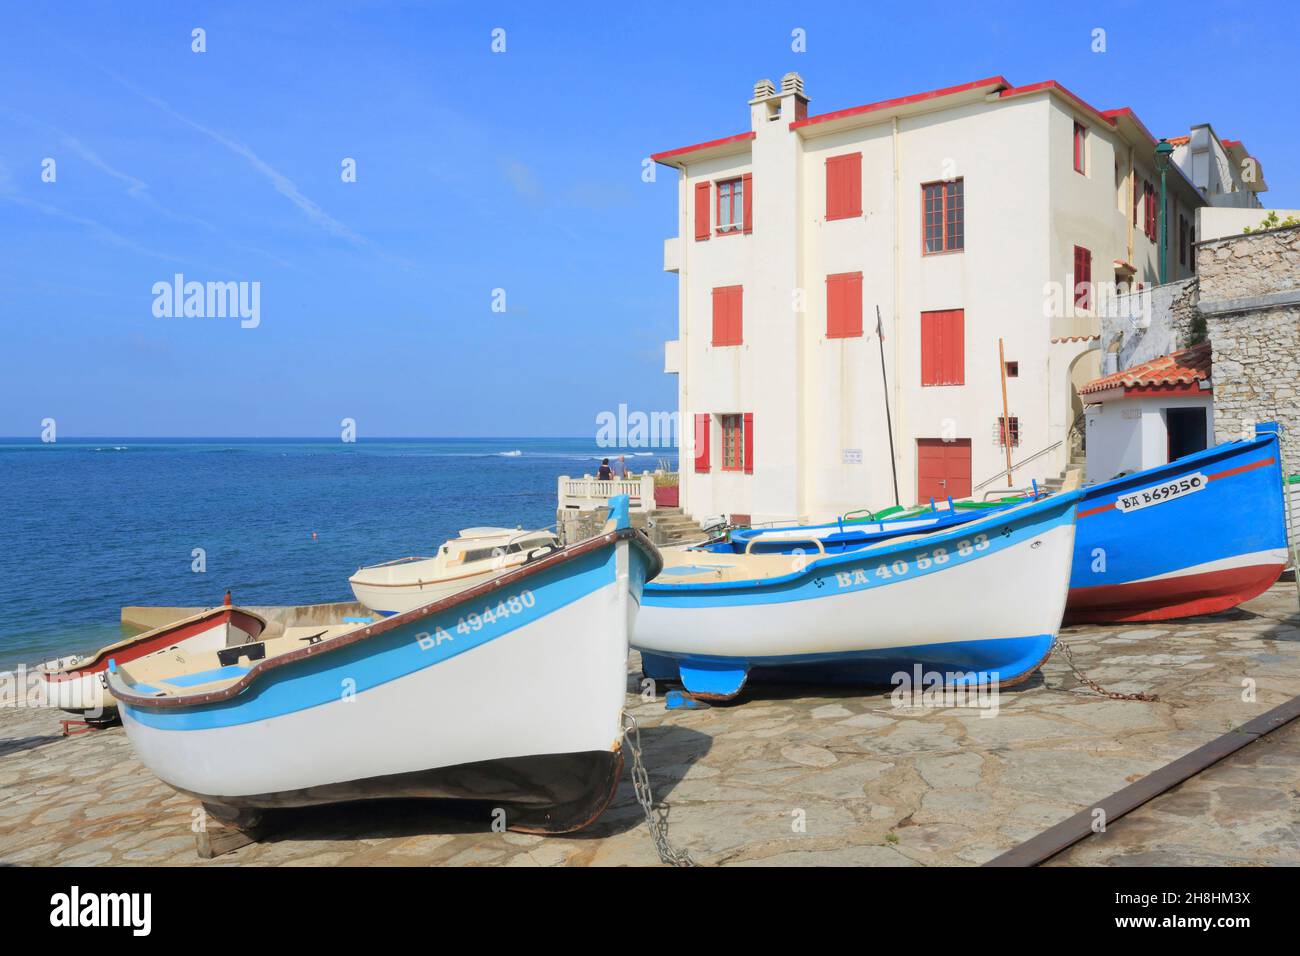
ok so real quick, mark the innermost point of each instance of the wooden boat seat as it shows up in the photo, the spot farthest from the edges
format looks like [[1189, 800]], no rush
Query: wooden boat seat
[[176, 671]]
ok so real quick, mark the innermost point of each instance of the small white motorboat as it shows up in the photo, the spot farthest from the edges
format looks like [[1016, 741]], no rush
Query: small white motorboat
[[76, 684], [476, 556], [509, 695]]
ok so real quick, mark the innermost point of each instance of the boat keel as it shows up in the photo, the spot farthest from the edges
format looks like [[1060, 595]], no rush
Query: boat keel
[[713, 680], [543, 793]]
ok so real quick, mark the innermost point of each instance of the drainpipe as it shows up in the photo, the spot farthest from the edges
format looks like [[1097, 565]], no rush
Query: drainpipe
[[1130, 205], [898, 293], [1163, 149]]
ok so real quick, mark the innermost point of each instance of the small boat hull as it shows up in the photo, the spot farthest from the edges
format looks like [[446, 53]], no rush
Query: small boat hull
[[388, 600], [1199, 535], [980, 604], [520, 711], [79, 687]]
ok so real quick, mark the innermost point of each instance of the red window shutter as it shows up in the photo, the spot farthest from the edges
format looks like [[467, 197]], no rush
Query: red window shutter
[[844, 305], [929, 349], [748, 186], [954, 352], [834, 306], [701, 211], [943, 347], [736, 311], [844, 186], [749, 443], [1136, 199], [833, 189], [728, 319], [721, 320], [1082, 277], [701, 442], [853, 170]]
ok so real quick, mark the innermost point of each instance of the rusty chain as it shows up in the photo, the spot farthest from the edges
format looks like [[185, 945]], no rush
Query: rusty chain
[[656, 818], [1093, 685]]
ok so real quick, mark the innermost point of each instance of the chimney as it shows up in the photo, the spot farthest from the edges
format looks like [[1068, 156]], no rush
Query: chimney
[[769, 104], [794, 102]]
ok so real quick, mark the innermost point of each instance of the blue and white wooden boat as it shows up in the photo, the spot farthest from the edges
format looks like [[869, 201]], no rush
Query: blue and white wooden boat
[[977, 603], [842, 535], [1198, 535], [509, 694]]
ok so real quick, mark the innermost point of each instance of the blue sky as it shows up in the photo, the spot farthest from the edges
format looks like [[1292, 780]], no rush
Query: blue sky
[[475, 171]]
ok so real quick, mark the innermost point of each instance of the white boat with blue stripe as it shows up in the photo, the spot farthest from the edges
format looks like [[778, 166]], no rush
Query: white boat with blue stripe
[[509, 694], [979, 603]]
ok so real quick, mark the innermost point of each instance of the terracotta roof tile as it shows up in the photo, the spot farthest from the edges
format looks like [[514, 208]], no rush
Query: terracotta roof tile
[[1186, 367]]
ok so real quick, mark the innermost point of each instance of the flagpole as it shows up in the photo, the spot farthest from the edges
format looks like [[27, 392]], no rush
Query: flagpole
[[889, 425], [1006, 420]]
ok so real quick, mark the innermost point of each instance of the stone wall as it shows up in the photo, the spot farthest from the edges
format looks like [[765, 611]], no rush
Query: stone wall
[[1250, 298], [573, 525], [1140, 326]]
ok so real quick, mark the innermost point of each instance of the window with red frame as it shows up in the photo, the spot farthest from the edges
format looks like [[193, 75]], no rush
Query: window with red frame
[[1149, 224], [1082, 277], [1007, 429], [733, 442], [1080, 146], [943, 217], [731, 205]]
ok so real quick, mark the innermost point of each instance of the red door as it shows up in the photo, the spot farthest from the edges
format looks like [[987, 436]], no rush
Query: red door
[[942, 469]]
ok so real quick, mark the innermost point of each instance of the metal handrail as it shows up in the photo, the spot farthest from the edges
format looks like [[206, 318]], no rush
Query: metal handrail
[[1019, 464], [1009, 492]]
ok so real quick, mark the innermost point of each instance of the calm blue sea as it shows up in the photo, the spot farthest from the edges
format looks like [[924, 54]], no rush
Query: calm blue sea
[[90, 525]]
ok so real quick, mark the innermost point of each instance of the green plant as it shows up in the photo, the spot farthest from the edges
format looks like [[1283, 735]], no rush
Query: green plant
[[1271, 221]]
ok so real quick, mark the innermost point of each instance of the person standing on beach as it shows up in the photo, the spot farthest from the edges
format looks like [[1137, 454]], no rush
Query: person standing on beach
[[603, 473]]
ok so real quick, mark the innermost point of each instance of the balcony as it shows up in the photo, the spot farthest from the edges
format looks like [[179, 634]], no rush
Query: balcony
[[672, 254], [672, 357]]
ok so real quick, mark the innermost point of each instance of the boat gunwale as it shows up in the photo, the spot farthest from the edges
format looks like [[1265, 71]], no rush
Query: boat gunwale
[[1214, 453], [888, 546], [634, 536]]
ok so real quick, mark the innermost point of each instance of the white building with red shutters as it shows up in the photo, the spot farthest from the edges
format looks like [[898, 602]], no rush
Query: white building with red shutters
[[962, 215]]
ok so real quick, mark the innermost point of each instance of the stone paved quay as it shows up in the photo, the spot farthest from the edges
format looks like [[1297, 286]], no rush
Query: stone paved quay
[[795, 776]]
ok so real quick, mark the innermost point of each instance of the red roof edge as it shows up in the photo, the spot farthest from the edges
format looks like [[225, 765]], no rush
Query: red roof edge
[[682, 150], [1112, 115], [998, 81]]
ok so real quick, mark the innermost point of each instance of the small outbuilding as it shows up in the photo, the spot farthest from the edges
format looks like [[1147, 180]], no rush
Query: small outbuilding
[[1150, 414]]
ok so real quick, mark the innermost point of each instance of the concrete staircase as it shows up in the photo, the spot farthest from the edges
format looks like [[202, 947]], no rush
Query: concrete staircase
[[671, 526], [1077, 462]]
